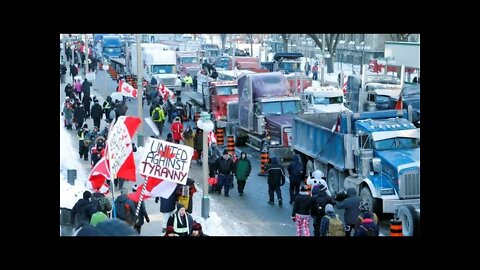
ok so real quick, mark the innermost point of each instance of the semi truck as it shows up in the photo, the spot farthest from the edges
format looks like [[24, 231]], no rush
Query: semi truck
[[324, 99], [266, 106], [376, 153], [158, 62], [187, 63], [111, 46]]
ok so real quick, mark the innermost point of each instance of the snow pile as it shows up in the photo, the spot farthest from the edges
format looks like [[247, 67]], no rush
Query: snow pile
[[69, 194]]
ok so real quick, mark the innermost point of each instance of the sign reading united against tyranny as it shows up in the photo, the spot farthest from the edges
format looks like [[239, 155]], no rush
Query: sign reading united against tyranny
[[166, 161]]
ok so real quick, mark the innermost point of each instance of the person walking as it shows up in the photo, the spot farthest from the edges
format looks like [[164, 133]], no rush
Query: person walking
[[276, 179], [243, 167], [302, 206]]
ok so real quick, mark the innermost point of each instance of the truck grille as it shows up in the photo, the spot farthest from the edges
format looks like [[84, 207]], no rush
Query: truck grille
[[409, 184], [232, 111], [170, 81]]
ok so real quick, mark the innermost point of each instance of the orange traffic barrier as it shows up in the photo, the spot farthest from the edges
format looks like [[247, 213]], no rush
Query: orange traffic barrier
[[263, 163], [395, 227], [230, 145], [220, 136]]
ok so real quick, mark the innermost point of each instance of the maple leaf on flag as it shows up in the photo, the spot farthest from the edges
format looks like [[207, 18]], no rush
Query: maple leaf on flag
[[167, 153]]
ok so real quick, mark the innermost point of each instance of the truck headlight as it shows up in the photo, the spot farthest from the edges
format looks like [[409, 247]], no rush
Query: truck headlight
[[387, 191], [274, 142]]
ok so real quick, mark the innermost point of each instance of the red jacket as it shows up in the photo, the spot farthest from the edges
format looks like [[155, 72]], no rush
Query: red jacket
[[177, 129]]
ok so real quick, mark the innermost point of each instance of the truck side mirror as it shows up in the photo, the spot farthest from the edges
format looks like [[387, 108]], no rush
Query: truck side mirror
[[377, 165]]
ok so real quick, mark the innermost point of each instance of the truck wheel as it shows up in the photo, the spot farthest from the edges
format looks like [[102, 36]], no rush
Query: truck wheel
[[410, 220], [366, 195], [332, 181]]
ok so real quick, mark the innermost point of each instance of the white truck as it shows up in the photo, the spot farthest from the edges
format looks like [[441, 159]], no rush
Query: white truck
[[158, 62], [324, 99]]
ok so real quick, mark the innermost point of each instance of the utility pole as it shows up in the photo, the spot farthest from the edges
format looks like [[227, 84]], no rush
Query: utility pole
[[140, 88], [322, 78]]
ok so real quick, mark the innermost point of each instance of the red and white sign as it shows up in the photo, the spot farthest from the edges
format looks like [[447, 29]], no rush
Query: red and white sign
[[164, 160]]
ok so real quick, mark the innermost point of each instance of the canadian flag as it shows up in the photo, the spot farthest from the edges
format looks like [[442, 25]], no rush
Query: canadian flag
[[155, 188], [99, 174], [126, 89], [212, 138], [165, 92]]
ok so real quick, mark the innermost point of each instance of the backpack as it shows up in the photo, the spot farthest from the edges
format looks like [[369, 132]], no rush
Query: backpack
[[317, 203], [156, 115], [335, 226], [367, 227]]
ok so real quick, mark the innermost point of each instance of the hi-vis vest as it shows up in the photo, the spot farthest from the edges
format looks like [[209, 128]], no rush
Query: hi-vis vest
[[175, 224]]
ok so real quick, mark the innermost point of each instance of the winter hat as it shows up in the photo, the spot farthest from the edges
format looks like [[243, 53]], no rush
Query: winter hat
[[85, 126], [180, 206], [123, 191], [318, 174], [103, 202], [87, 194], [364, 206], [329, 208], [134, 189], [225, 152], [197, 226]]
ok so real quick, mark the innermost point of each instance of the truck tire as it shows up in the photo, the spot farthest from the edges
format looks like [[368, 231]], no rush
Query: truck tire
[[332, 181], [366, 195], [410, 220], [239, 140]]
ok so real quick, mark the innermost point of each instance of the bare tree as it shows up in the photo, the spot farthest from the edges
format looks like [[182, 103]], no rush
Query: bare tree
[[250, 38], [331, 42], [399, 37], [285, 38], [223, 37]]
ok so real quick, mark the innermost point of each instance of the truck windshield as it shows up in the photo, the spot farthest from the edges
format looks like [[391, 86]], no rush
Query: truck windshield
[[163, 69], [396, 143], [327, 100], [227, 90], [189, 60], [291, 67], [281, 107]]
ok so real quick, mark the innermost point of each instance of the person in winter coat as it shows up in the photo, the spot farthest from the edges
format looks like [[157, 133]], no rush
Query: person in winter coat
[[276, 179], [108, 105], [97, 151], [177, 130], [86, 105], [73, 71], [83, 142], [169, 232], [80, 115], [102, 207], [318, 178], [295, 171], [110, 227], [69, 91], [98, 205], [86, 87], [158, 118], [167, 206], [302, 206], [198, 144], [307, 68], [225, 167], [81, 211], [243, 167], [169, 138], [188, 136], [363, 217], [120, 110], [197, 230], [78, 88], [185, 194], [67, 113], [124, 207], [351, 206], [325, 222], [315, 71], [142, 214], [320, 201], [97, 113], [181, 221]]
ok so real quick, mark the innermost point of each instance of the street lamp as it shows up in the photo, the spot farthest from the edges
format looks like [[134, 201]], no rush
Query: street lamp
[[206, 125], [105, 67]]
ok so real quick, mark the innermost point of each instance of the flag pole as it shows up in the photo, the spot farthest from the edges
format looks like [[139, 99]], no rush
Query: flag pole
[[113, 174], [140, 200]]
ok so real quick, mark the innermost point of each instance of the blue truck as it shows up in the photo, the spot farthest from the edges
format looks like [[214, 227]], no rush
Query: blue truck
[[112, 47], [377, 153]]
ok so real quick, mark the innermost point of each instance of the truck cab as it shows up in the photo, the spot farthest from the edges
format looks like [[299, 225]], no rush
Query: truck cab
[[161, 64], [187, 63], [324, 99], [112, 46], [379, 96]]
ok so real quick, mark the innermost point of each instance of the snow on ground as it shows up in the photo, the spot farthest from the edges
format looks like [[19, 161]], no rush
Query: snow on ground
[[69, 194]]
